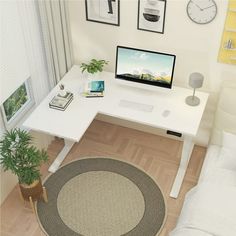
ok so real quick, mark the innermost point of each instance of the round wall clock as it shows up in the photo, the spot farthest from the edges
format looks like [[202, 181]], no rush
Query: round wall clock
[[202, 11]]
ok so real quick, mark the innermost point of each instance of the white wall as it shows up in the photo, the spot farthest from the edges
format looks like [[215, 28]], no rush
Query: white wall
[[196, 46]]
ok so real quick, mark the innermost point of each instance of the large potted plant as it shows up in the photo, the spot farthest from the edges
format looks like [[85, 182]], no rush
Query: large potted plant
[[93, 68], [22, 158]]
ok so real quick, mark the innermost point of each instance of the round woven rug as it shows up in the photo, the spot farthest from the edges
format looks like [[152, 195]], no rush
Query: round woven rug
[[101, 197]]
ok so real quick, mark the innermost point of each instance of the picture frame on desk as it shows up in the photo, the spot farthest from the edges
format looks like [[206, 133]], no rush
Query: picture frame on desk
[[103, 11], [151, 15]]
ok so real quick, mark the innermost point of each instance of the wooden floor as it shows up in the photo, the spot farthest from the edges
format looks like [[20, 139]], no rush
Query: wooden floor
[[157, 155]]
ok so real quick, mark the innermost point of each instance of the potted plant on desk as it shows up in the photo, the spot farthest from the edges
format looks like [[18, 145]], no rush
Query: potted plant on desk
[[18, 155], [93, 68]]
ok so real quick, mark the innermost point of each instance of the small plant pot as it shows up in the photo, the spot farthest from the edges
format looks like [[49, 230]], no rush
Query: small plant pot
[[34, 190], [95, 76]]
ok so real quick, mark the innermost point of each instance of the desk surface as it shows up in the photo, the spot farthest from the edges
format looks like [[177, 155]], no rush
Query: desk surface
[[72, 123]]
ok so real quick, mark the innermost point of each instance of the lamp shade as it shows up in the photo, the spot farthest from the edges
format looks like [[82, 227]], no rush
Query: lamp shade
[[196, 80]]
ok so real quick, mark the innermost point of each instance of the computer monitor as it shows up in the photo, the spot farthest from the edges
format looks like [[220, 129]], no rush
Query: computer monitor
[[143, 66]]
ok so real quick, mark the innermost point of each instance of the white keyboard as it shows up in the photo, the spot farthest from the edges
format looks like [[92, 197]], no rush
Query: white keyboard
[[136, 105]]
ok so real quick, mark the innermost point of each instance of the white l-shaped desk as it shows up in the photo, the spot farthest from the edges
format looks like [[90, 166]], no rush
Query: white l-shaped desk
[[72, 123]]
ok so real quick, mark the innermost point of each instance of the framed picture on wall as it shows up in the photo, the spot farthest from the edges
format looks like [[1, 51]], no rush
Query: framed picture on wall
[[151, 15], [103, 11], [17, 105]]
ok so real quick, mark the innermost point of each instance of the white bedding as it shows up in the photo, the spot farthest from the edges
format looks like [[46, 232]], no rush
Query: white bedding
[[208, 210]]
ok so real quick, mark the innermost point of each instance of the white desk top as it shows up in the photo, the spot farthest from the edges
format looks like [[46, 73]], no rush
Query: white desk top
[[72, 123]]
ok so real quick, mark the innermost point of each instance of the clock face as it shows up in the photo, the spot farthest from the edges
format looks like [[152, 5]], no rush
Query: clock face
[[202, 11]]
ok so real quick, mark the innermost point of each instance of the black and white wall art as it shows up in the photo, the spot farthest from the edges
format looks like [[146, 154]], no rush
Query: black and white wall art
[[151, 15], [103, 11]]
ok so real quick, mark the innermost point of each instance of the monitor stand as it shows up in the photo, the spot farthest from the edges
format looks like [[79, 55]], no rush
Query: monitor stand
[[141, 88]]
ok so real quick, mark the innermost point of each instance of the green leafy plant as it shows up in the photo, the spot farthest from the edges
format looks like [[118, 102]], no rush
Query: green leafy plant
[[94, 66], [20, 156]]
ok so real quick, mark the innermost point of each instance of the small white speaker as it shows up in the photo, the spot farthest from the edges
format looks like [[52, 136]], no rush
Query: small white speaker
[[195, 81]]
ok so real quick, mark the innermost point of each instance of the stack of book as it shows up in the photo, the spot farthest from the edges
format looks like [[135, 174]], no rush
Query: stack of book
[[94, 89], [61, 102]]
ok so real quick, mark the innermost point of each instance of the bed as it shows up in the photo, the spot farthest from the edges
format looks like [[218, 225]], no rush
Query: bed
[[210, 208]]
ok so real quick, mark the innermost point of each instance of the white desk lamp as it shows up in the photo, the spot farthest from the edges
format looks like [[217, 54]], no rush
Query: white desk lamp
[[195, 81]]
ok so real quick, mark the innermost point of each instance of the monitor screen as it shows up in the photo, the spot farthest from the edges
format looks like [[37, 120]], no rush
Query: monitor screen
[[142, 66]]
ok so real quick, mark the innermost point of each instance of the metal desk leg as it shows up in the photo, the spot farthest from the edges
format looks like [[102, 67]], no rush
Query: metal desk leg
[[61, 156], [185, 157]]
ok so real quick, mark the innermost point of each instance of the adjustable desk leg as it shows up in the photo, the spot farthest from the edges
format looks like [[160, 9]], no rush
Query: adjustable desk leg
[[185, 157], [61, 156]]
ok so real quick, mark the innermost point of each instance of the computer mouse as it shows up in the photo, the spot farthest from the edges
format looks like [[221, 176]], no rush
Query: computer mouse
[[165, 113]]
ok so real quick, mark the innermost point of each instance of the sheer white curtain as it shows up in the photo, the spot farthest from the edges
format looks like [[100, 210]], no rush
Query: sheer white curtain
[[54, 20], [31, 28], [14, 69]]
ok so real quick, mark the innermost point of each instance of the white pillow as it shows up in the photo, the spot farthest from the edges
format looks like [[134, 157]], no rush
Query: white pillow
[[227, 157]]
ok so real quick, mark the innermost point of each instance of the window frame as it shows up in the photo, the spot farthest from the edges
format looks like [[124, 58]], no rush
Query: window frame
[[18, 116]]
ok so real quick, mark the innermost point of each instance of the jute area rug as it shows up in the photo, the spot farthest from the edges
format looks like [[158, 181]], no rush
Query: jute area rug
[[101, 197]]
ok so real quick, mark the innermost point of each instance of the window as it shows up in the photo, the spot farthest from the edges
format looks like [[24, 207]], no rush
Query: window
[[16, 106]]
